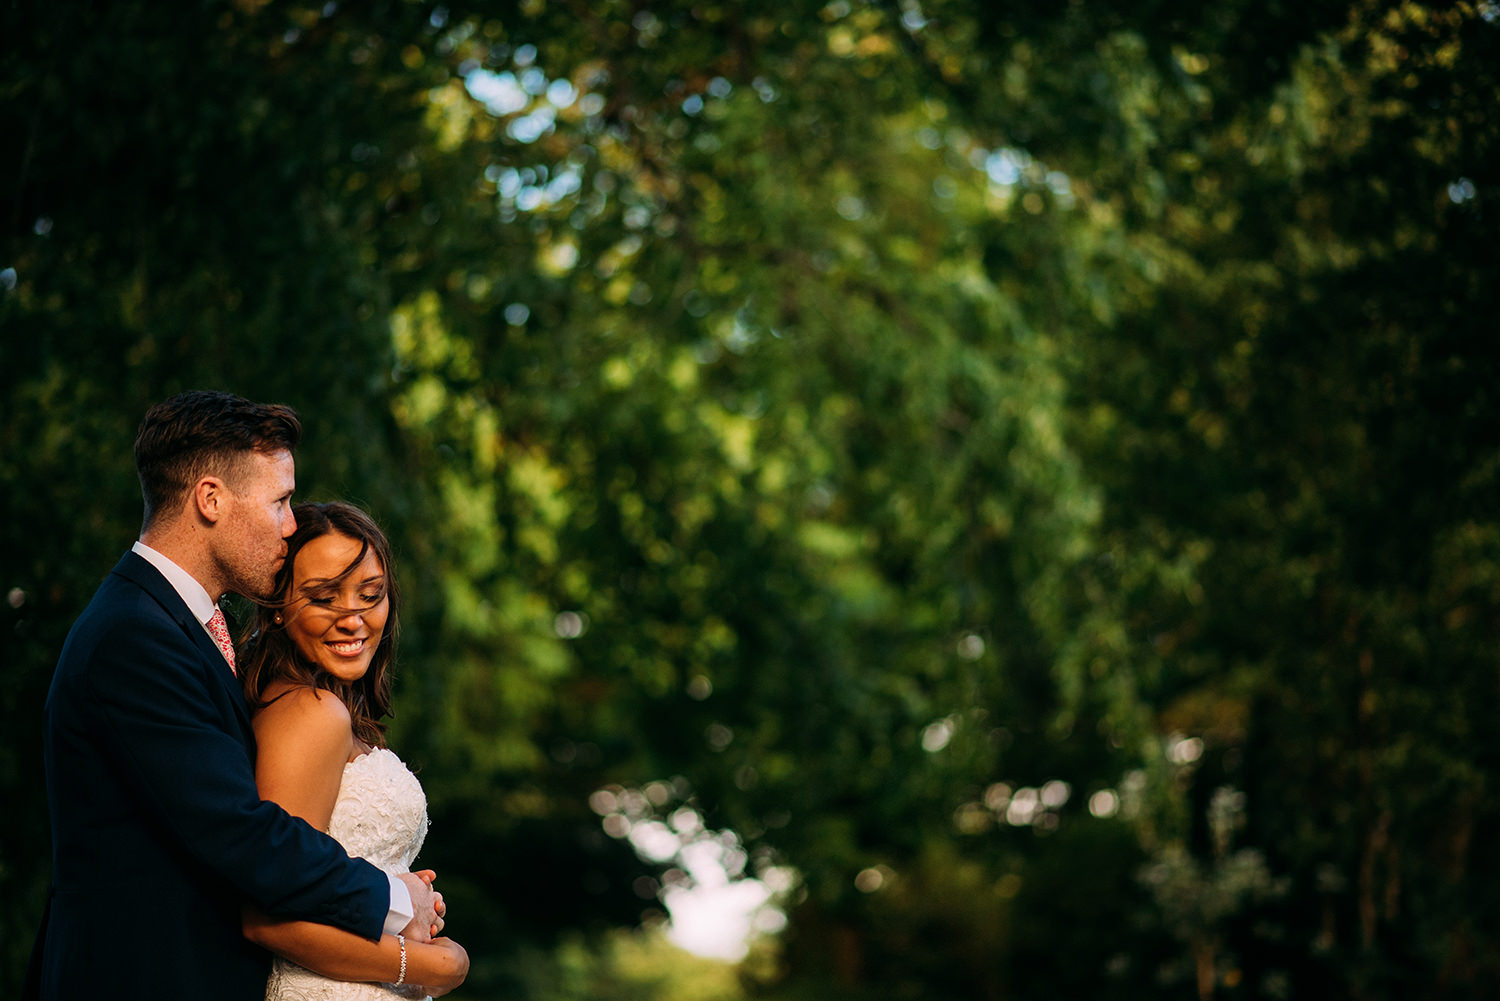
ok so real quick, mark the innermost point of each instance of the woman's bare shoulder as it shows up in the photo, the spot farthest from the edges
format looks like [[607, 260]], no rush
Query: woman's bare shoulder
[[304, 711], [303, 738]]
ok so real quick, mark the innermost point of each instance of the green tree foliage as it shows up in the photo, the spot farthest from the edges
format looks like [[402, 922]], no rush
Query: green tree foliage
[[1027, 469]]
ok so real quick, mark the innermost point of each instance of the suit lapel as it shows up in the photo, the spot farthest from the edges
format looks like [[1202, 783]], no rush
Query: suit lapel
[[139, 571]]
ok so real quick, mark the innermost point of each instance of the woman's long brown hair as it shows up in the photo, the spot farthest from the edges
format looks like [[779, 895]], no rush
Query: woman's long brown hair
[[267, 654]]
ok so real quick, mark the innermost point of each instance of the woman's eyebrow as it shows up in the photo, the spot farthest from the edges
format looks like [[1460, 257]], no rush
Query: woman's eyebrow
[[323, 583]]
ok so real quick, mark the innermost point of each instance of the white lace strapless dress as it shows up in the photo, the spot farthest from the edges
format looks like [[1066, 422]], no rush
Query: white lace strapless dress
[[381, 816]]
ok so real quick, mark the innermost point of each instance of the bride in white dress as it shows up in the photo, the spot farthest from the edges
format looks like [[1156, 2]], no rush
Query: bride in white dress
[[317, 676]]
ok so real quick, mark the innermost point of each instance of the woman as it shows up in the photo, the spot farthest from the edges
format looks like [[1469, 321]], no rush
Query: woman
[[317, 675]]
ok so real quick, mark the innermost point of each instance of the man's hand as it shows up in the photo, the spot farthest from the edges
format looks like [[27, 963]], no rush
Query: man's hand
[[428, 921]]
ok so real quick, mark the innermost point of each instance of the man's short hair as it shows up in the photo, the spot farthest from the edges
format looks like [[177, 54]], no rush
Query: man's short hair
[[204, 433]]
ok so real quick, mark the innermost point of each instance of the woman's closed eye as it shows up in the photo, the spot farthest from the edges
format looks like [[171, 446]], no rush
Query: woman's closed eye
[[368, 600]]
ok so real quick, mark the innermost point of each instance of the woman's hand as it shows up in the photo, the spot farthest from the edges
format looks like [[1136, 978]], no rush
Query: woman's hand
[[452, 961], [439, 965]]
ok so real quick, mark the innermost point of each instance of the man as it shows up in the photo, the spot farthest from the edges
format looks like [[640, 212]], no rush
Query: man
[[159, 835]]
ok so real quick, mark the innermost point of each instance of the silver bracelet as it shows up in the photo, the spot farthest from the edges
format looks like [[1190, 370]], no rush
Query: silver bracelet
[[402, 978]]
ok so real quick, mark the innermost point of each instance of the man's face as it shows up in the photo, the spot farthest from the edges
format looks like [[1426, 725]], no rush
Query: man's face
[[250, 539]]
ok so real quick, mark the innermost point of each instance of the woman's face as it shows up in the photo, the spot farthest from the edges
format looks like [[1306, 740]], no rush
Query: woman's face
[[336, 624]]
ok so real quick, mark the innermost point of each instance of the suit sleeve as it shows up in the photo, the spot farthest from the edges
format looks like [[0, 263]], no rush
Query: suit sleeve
[[148, 692]]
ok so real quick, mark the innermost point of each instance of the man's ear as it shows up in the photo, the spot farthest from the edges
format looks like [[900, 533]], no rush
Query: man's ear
[[209, 495]]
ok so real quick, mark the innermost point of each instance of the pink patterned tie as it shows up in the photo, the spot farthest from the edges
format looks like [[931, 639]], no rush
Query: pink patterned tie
[[219, 630]]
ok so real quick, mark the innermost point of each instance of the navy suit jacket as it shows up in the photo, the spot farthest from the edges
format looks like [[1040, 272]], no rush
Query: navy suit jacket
[[158, 833]]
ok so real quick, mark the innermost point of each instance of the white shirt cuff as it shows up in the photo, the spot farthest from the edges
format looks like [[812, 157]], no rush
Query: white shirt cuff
[[402, 910]]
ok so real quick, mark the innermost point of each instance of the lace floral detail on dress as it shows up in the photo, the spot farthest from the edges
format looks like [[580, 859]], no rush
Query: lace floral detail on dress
[[290, 982], [381, 812], [380, 816]]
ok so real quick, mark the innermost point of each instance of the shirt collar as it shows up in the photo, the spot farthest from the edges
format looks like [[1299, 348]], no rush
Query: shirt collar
[[185, 584]]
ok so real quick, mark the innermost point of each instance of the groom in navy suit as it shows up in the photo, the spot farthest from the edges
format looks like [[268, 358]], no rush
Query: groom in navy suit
[[159, 836]]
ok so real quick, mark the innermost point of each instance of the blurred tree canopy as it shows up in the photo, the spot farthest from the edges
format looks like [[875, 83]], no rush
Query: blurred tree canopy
[[1028, 471]]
